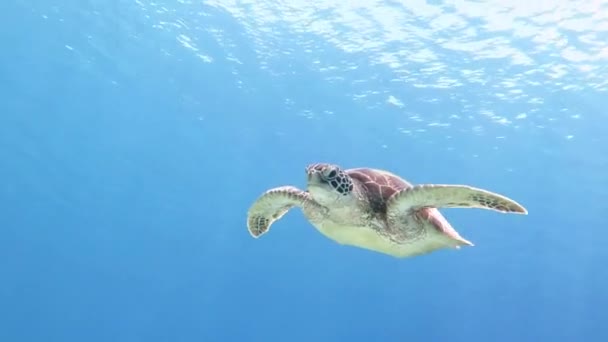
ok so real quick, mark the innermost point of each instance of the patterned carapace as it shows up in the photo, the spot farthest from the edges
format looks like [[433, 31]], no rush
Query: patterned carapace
[[380, 185]]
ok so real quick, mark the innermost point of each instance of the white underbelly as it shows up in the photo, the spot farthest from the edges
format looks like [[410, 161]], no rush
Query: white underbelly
[[369, 239]]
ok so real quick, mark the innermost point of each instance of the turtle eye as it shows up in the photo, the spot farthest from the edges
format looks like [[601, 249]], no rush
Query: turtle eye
[[329, 173]]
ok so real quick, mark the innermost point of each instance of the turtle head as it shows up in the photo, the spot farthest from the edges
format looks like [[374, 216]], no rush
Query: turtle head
[[328, 183]]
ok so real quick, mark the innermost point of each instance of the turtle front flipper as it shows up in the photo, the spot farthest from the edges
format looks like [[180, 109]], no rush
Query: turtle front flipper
[[271, 206], [450, 196]]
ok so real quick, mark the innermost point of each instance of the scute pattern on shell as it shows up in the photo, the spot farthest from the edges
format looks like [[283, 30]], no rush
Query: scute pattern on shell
[[380, 186]]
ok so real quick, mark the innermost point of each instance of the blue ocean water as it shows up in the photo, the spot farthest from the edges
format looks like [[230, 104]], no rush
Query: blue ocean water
[[134, 136]]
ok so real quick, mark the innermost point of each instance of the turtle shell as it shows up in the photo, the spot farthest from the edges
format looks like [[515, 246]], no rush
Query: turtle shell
[[379, 185]]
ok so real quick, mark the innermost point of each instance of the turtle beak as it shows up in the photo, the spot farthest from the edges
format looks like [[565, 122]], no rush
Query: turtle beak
[[310, 169], [311, 174]]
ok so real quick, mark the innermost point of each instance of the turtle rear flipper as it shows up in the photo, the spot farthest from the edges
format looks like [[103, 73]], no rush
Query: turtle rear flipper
[[450, 196], [271, 206]]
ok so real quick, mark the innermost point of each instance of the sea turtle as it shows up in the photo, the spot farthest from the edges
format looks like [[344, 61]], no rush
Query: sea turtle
[[375, 209]]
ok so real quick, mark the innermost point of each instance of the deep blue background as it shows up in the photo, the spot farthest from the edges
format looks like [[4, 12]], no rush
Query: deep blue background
[[128, 164]]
